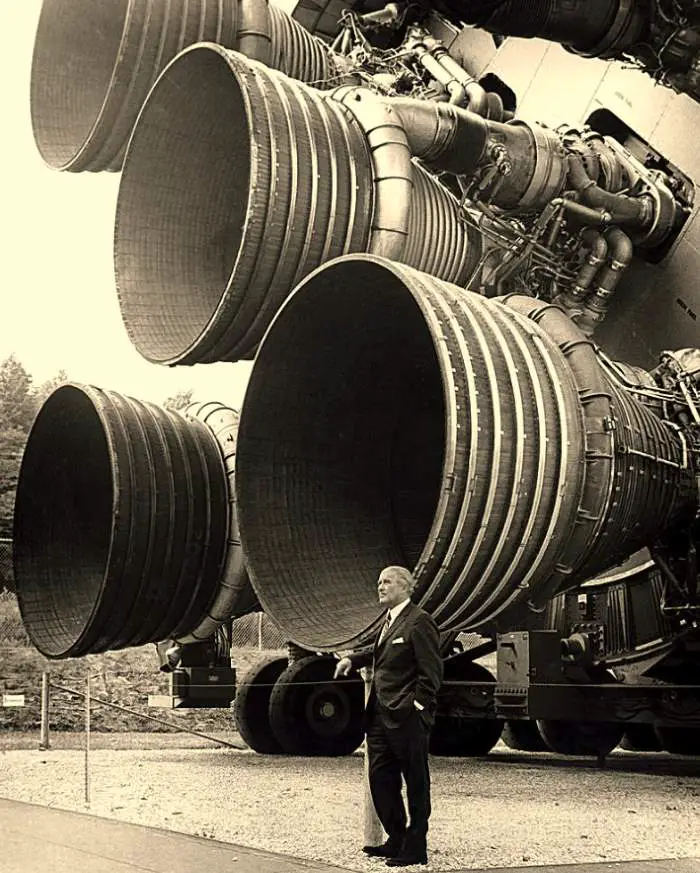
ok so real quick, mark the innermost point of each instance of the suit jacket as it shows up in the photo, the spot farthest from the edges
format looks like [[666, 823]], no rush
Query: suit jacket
[[407, 668]]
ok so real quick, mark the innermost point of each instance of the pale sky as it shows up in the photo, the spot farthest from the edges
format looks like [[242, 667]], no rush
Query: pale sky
[[60, 308]]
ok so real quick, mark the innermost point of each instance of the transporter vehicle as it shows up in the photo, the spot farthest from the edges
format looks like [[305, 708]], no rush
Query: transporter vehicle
[[460, 242]]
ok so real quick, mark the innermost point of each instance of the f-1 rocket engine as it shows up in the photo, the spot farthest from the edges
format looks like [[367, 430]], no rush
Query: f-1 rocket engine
[[126, 530], [244, 182], [394, 418]]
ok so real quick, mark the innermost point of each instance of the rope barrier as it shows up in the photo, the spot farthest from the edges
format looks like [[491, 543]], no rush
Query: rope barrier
[[176, 727]]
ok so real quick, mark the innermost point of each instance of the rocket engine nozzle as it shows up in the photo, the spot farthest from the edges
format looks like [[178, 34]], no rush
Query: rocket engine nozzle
[[392, 418], [125, 527]]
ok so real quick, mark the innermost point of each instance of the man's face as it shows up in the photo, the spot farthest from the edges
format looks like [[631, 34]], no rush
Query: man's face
[[391, 592]]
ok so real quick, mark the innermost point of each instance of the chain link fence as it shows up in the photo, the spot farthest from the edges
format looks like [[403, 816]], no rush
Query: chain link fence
[[12, 630], [128, 678]]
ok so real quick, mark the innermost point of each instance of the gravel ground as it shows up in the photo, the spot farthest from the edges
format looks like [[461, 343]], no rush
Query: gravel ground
[[508, 809]]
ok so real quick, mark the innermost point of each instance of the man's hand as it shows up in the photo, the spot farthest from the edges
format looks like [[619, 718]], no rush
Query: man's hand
[[342, 668]]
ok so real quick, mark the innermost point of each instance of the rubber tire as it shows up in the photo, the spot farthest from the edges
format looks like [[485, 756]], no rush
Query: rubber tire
[[580, 739], [523, 736], [297, 709], [251, 705], [641, 738], [463, 737], [679, 740]]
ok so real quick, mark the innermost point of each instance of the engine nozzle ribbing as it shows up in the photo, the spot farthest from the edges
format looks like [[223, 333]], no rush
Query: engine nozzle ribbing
[[477, 441], [94, 63], [125, 530]]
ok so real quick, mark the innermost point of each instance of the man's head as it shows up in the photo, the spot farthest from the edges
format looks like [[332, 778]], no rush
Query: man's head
[[395, 584]]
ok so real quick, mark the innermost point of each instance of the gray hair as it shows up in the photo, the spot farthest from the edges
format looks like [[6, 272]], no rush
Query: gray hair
[[401, 575]]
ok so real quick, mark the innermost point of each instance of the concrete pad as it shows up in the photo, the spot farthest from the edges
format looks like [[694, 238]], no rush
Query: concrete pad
[[38, 839]]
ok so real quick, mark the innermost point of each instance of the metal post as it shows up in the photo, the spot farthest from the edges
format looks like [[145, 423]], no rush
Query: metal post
[[44, 742], [373, 831], [87, 738]]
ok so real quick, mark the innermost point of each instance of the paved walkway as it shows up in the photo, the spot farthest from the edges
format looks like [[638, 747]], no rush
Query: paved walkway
[[37, 839], [683, 865]]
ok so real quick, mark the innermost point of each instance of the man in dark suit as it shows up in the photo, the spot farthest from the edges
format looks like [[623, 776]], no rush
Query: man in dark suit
[[400, 712]]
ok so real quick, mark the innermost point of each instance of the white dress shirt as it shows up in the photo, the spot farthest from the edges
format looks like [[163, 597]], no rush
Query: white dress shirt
[[395, 610]]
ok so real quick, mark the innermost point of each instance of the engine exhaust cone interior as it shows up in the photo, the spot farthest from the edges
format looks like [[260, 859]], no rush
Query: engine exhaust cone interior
[[182, 205], [341, 443], [71, 536], [75, 53], [122, 531]]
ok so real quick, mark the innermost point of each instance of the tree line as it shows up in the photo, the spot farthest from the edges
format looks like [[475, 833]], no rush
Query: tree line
[[20, 400]]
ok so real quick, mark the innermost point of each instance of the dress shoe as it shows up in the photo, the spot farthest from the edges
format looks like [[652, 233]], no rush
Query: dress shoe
[[406, 860], [389, 849]]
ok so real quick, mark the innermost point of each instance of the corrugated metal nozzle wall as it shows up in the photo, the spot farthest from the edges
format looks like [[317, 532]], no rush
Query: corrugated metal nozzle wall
[[237, 183], [123, 526], [94, 63], [392, 418]]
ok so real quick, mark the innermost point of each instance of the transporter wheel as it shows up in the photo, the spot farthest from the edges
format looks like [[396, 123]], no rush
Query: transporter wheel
[[523, 736], [251, 705], [313, 714], [594, 739], [453, 733], [680, 740], [641, 738]]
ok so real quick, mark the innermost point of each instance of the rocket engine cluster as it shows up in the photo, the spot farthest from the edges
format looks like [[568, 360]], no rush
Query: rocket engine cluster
[[419, 275]]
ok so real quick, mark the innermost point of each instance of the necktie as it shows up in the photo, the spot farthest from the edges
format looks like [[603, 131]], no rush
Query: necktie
[[385, 629]]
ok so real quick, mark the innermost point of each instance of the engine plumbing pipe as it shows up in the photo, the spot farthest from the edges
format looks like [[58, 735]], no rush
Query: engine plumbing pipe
[[125, 528], [572, 299], [476, 441], [633, 212], [463, 89], [596, 306], [94, 63]]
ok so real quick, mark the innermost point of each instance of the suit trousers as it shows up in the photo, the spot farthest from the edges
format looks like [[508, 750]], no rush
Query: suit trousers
[[395, 752]]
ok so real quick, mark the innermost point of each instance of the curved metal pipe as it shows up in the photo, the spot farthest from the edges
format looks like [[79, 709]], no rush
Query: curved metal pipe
[[446, 432], [123, 533], [391, 169], [429, 60], [235, 595], [239, 181], [632, 212], [94, 63], [475, 97], [455, 140], [596, 306], [572, 299], [254, 31]]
